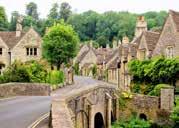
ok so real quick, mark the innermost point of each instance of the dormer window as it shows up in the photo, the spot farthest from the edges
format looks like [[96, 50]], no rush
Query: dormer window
[[169, 52], [31, 51], [0, 51]]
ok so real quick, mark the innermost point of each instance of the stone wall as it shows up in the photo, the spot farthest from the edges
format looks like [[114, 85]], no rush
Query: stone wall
[[140, 104], [24, 89]]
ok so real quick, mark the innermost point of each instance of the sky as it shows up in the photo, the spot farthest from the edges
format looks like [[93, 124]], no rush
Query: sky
[[78, 6]]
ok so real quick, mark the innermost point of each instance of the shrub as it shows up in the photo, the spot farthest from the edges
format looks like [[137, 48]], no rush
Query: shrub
[[37, 71], [55, 77], [154, 71], [175, 113], [76, 68], [156, 90], [94, 71], [17, 72], [133, 122]]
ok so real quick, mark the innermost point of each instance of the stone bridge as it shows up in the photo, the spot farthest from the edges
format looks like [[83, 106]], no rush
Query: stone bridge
[[91, 103], [93, 106]]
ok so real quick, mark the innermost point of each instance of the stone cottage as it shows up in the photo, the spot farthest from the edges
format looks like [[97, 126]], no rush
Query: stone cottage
[[168, 44], [19, 45]]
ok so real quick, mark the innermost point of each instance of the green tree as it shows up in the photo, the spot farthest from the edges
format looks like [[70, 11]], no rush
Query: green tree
[[54, 12], [14, 16], [60, 44], [31, 10], [3, 19], [65, 11]]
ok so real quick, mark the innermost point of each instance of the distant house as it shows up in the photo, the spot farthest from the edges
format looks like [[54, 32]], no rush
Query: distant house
[[19, 45], [168, 44], [147, 44]]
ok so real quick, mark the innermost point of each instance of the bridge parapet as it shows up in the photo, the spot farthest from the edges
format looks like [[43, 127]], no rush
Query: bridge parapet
[[24, 89]]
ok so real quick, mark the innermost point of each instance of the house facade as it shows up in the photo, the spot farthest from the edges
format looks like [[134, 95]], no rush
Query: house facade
[[19, 45], [168, 43]]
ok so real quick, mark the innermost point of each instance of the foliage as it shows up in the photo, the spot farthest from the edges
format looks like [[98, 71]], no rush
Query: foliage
[[55, 77], [65, 11], [94, 71], [157, 88], [154, 71], [31, 10], [133, 122], [37, 71], [54, 12], [60, 44], [3, 19], [175, 113], [76, 68], [16, 73], [13, 21]]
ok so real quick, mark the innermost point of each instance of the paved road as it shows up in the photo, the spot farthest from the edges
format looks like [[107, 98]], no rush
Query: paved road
[[81, 83], [20, 112]]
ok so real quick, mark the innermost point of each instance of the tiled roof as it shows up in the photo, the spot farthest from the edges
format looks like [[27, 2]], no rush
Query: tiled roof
[[175, 16], [114, 63], [151, 39], [10, 38]]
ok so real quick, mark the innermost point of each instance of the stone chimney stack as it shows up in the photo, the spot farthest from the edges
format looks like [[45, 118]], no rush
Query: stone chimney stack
[[19, 26], [125, 40], [141, 25], [114, 44]]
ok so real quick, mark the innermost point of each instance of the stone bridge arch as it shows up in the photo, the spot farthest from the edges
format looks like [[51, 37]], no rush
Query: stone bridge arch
[[99, 121], [85, 106]]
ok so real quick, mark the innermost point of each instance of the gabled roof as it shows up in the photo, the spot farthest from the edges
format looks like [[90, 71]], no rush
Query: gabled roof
[[10, 38], [151, 39], [175, 16], [114, 63]]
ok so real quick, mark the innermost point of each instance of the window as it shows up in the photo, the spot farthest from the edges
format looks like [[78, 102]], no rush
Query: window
[[169, 52], [31, 51], [0, 51], [35, 51], [27, 51]]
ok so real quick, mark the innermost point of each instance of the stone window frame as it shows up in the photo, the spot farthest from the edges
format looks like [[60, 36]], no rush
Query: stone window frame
[[31, 51], [142, 51], [169, 51]]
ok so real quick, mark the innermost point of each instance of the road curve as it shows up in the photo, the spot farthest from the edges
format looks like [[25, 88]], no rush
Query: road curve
[[22, 111]]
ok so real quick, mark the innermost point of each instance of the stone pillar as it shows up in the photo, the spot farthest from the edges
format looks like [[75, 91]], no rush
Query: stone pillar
[[167, 98], [108, 110], [90, 115]]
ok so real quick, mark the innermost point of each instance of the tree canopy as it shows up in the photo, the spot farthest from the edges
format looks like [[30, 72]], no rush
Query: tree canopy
[[102, 28], [60, 44]]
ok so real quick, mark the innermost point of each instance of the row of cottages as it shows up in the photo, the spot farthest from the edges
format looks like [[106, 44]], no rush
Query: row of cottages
[[88, 57], [19, 45], [147, 44]]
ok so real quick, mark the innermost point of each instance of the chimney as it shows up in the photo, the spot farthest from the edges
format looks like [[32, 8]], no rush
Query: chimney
[[141, 25], [125, 40], [19, 26]]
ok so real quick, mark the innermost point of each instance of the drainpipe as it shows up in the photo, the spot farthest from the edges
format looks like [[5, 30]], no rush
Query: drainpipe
[[9, 52]]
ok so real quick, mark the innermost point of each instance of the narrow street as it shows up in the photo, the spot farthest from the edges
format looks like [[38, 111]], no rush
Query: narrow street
[[20, 112]]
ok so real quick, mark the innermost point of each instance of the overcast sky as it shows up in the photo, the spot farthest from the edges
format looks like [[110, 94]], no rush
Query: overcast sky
[[136, 6]]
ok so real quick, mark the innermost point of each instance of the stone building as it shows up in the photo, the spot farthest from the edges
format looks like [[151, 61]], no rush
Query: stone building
[[168, 44], [147, 44], [19, 45]]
